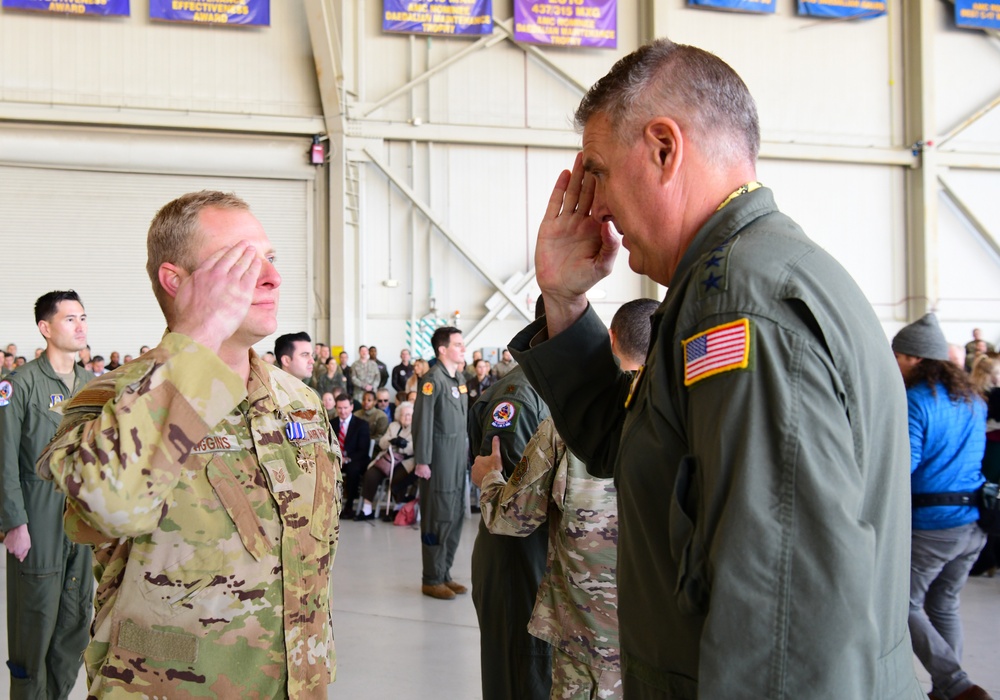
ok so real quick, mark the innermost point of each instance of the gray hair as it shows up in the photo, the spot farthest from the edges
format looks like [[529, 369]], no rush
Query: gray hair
[[695, 88]]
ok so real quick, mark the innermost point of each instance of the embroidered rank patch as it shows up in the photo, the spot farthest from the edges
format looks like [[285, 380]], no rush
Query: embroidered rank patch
[[6, 391], [505, 415], [280, 480], [719, 349], [519, 471], [427, 389]]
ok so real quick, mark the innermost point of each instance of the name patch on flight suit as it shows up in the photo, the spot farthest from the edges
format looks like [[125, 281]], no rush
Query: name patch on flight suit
[[719, 349]]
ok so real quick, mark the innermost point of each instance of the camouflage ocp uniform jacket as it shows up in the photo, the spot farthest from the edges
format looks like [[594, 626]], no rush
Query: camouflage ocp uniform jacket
[[576, 609], [213, 509]]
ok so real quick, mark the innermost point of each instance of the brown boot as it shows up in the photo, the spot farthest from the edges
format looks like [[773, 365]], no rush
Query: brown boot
[[974, 693], [458, 588], [439, 591]]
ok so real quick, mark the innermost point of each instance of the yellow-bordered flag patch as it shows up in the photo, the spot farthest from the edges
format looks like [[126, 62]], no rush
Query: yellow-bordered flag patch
[[719, 349]]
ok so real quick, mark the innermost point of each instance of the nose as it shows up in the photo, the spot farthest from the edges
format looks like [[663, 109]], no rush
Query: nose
[[599, 209], [269, 276]]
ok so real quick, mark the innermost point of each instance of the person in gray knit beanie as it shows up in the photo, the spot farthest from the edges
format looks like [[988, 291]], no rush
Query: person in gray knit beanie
[[922, 338]]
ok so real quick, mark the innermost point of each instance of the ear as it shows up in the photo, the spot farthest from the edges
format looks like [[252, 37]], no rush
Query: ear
[[45, 329], [170, 277], [285, 361], [665, 143]]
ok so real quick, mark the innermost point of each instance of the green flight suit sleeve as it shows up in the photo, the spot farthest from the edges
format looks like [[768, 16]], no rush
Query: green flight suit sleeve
[[576, 374], [772, 472], [423, 422], [119, 450], [12, 416]]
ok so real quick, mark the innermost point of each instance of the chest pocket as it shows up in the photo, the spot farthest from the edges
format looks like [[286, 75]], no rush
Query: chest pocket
[[233, 497]]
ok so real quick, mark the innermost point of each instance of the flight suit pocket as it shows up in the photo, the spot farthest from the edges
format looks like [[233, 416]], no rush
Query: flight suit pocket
[[327, 498], [690, 589], [183, 578], [234, 499]]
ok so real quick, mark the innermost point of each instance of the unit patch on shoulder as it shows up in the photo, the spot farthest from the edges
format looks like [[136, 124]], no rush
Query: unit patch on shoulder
[[427, 389], [6, 391], [719, 349], [505, 415]]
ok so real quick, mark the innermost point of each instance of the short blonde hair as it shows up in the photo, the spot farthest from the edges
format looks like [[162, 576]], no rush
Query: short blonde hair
[[172, 234]]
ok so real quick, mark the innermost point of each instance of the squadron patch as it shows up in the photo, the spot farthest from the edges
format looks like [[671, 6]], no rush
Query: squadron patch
[[6, 391], [505, 415], [719, 349], [427, 389]]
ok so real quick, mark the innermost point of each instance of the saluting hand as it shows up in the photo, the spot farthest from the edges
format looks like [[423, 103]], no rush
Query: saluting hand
[[213, 301], [486, 464], [574, 251]]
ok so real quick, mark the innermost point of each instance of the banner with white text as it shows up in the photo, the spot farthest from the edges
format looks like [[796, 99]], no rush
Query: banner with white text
[[590, 23], [843, 9], [106, 8], [438, 18], [238, 12], [975, 14], [758, 6]]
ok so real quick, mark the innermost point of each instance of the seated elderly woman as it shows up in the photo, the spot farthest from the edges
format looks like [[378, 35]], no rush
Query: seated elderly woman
[[395, 458]]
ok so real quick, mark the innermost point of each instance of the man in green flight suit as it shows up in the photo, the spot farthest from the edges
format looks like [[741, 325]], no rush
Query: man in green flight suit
[[760, 453], [506, 571], [49, 582], [440, 452]]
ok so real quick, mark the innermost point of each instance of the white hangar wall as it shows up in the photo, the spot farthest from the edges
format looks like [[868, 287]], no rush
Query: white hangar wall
[[442, 154]]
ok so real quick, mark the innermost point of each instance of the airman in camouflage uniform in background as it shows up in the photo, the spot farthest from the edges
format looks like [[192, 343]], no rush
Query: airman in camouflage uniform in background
[[207, 482], [576, 610]]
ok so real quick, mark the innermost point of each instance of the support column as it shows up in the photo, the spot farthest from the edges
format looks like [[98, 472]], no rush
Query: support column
[[919, 129]]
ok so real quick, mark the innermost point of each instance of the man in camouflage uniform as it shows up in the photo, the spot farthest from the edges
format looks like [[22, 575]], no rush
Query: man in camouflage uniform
[[206, 481], [577, 605], [441, 455], [364, 374], [49, 584]]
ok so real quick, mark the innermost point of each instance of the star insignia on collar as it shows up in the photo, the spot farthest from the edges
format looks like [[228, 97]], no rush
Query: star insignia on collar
[[712, 281]]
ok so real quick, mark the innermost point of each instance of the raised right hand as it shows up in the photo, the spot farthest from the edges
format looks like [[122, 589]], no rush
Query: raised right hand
[[212, 302], [574, 251], [18, 541]]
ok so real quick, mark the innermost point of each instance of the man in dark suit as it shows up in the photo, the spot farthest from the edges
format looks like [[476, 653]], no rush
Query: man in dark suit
[[355, 444]]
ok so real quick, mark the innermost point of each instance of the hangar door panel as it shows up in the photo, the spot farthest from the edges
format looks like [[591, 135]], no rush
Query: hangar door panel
[[83, 230]]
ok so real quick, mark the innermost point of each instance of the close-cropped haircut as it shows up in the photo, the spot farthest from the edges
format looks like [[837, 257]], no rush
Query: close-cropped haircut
[[632, 327], [173, 232], [695, 88], [47, 304], [284, 346], [442, 337]]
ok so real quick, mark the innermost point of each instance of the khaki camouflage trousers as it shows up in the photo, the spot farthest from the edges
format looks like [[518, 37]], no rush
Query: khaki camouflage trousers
[[572, 679]]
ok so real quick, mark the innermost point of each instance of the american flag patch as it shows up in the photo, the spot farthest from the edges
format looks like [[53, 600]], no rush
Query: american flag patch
[[716, 350]]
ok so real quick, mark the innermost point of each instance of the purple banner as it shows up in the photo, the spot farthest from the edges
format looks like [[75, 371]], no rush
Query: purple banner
[[843, 9], [592, 23], [72, 7], [977, 14], [239, 12], [761, 6], [440, 18]]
